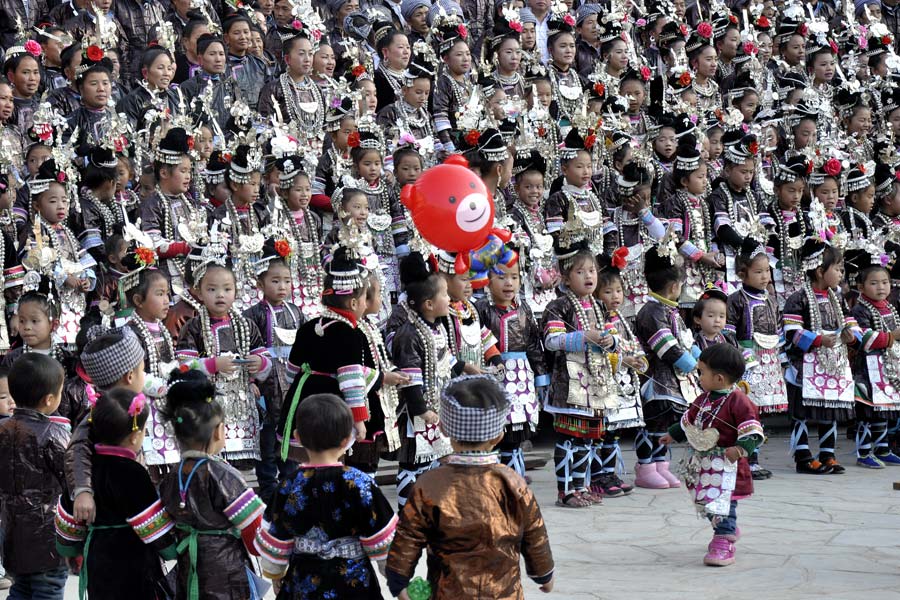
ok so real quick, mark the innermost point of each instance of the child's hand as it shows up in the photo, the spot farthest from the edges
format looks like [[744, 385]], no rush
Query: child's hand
[[593, 336], [847, 336], [74, 564], [733, 453], [360, 428], [829, 340], [403, 595], [666, 439], [607, 342], [84, 508], [255, 364], [225, 364], [430, 417], [396, 378], [472, 369], [73, 282], [548, 587]]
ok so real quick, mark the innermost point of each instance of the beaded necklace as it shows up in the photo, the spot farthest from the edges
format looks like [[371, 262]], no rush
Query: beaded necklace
[[69, 239], [583, 323], [789, 244], [878, 320], [621, 222], [867, 223], [566, 90], [415, 118], [732, 205], [309, 122], [106, 214], [460, 91], [153, 353], [429, 372], [54, 352], [234, 217], [168, 226], [698, 218], [393, 78], [239, 325], [815, 313], [272, 319]]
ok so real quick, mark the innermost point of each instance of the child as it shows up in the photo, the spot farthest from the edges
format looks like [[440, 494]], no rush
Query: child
[[305, 235], [668, 343], [754, 320], [689, 215], [735, 213], [875, 367], [472, 485], [229, 348], [278, 321], [32, 452], [709, 319], [860, 201], [790, 225], [38, 316], [722, 407], [121, 548], [454, 86], [630, 362], [50, 201], [824, 183], [216, 515], [817, 328], [7, 403], [582, 384], [422, 351], [328, 354], [326, 505], [512, 323], [567, 89]]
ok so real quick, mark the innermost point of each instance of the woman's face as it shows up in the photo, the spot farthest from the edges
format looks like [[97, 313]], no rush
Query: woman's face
[[396, 55], [26, 78], [95, 89], [7, 104], [823, 67], [323, 61], [458, 58], [705, 63], [861, 121], [562, 50], [509, 56], [300, 58], [794, 52], [159, 74], [213, 59], [617, 58], [238, 38], [369, 100], [764, 43]]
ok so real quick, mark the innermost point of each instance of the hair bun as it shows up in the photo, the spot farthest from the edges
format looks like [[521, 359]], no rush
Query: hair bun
[[188, 387], [413, 268]]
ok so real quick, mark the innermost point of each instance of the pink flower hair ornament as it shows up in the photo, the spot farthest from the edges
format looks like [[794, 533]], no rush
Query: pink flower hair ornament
[[135, 408]]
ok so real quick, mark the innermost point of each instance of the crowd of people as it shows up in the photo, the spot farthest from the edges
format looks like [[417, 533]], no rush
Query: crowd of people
[[210, 267]]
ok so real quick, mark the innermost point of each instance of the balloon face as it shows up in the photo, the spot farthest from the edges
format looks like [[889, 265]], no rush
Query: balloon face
[[451, 207]]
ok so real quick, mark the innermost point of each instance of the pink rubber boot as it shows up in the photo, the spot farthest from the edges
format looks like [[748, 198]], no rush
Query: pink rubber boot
[[647, 477], [720, 552], [663, 469]]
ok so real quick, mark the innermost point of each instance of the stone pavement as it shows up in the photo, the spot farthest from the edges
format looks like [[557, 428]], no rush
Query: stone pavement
[[804, 537]]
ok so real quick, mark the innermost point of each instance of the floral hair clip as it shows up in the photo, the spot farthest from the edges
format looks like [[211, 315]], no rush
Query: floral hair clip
[[136, 408]]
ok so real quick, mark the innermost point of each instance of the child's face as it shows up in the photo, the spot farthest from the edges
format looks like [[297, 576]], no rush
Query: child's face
[[458, 287], [300, 193], [876, 286], [790, 194], [408, 170], [804, 134], [115, 257], [123, 175], [146, 186], [715, 144], [36, 158], [823, 67], [863, 200], [439, 306], [155, 307], [748, 106], [177, 178], [709, 380], [53, 405], [217, 291], [757, 275], [219, 192], [246, 193], [635, 92], [833, 275], [827, 193], [369, 166], [891, 206], [53, 205], [740, 175], [664, 145], [893, 118], [7, 404], [860, 122], [582, 278], [369, 96], [530, 187], [276, 283], [342, 134], [137, 378], [504, 287], [373, 299], [612, 295], [357, 210], [695, 183], [416, 95], [578, 170], [712, 318], [35, 326], [544, 92], [204, 143]]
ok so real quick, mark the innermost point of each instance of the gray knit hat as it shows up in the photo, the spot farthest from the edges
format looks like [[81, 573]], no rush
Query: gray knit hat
[[110, 355]]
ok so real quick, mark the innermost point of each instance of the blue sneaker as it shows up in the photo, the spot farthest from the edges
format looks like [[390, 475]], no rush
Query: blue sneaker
[[869, 462], [889, 459]]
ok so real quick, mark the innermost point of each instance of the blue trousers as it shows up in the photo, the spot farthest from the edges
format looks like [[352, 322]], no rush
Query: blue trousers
[[725, 525], [47, 585]]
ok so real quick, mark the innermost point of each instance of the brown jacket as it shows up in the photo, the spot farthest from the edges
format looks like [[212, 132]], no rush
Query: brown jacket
[[475, 522]]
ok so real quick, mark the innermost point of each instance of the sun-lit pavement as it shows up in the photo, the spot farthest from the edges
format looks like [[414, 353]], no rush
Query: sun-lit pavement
[[804, 536]]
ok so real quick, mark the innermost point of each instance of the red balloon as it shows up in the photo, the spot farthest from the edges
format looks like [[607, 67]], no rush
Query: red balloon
[[450, 206]]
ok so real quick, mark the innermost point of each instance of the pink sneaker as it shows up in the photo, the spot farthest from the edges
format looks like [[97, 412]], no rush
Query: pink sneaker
[[720, 552], [646, 476], [663, 469], [733, 537]]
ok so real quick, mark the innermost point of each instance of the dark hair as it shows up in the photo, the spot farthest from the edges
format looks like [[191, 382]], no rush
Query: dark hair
[[43, 38], [12, 64], [4, 372], [323, 421], [608, 277], [420, 284], [606, 47], [145, 279], [658, 279], [582, 256], [110, 421], [68, 55], [113, 243], [105, 66], [289, 44], [478, 393], [50, 308], [876, 60], [274, 262], [405, 152], [743, 262], [212, 267], [33, 377], [860, 277], [191, 407], [565, 161], [552, 38], [358, 153], [234, 20], [191, 27], [830, 256], [695, 54], [700, 306], [93, 176], [339, 300], [724, 359], [478, 162], [387, 39], [151, 54], [852, 197]]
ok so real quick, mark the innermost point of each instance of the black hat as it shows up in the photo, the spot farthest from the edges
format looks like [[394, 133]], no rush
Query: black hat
[[102, 158], [288, 168], [633, 176], [245, 161], [751, 248], [531, 161], [173, 147], [793, 169], [214, 172], [687, 158]]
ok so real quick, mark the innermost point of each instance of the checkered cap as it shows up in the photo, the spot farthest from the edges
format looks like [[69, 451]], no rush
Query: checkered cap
[[468, 424], [105, 366]]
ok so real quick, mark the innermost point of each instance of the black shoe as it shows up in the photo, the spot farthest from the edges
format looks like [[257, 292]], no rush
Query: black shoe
[[836, 467], [757, 472], [813, 467]]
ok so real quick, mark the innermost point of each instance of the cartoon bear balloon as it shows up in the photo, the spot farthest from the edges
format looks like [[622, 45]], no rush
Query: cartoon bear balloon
[[453, 210]]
